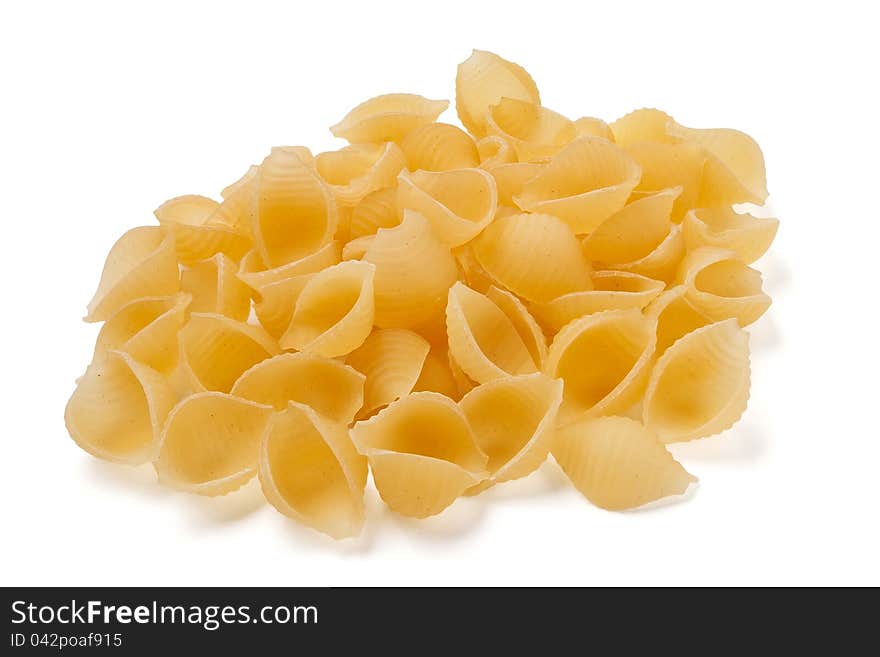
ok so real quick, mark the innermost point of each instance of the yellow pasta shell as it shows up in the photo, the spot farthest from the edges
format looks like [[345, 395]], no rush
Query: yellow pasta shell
[[641, 125], [199, 229], [239, 205], [676, 316], [511, 178], [216, 288], [390, 117], [663, 262], [355, 171], [747, 236], [254, 273], [587, 126], [523, 322], [357, 248], [666, 166], [471, 271], [376, 210], [436, 374], [535, 132], [495, 151], [439, 147]]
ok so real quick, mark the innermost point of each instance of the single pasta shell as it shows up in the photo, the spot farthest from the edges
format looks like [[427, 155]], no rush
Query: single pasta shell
[[535, 256], [215, 350], [199, 230], [239, 204], [588, 126], [617, 463], [436, 374], [513, 420], [216, 288], [391, 360], [458, 204], [334, 312], [584, 184], [471, 271], [422, 453], [535, 132], [604, 359], [700, 385], [355, 171], [439, 147], [642, 125], [482, 339], [676, 316], [274, 303], [662, 263], [211, 442], [512, 177], [744, 234], [665, 166], [495, 151], [330, 387], [310, 471], [390, 117], [483, 80], [140, 264], [526, 326], [414, 271], [117, 409], [254, 274], [376, 210]]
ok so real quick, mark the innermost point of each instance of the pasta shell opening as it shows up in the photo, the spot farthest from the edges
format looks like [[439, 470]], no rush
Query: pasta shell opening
[[436, 374], [525, 325], [495, 151], [200, 229], [376, 210], [747, 236], [511, 178], [676, 316], [440, 147], [355, 171], [665, 166], [389, 117], [216, 288], [535, 132], [662, 263]]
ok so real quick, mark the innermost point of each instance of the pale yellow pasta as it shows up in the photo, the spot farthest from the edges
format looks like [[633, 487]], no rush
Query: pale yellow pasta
[[327, 385], [604, 359], [663, 262], [334, 311], [211, 443], [482, 81], [494, 151], [523, 322], [254, 273], [513, 420], [618, 464], [215, 350], [414, 270], [391, 360], [721, 287], [436, 374], [199, 229], [440, 147], [471, 272], [239, 203], [676, 316], [357, 248], [482, 339], [458, 204], [535, 256], [140, 264], [463, 383], [641, 125], [376, 210], [310, 471], [274, 303], [422, 453], [665, 166], [216, 288], [117, 409], [700, 385], [534, 132], [511, 178], [584, 184], [744, 234], [355, 171], [390, 117]]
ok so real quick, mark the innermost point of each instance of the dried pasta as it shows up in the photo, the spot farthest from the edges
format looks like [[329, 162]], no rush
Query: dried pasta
[[216, 288], [200, 229], [388, 118]]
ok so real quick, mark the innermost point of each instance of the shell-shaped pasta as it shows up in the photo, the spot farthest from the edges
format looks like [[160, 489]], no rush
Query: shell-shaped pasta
[[310, 471], [641, 125], [355, 171], [240, 203], [255, 275], [436, 374], [513, 420], [216, 288], [140, 264], [376, 210], [482, 339], [612, 290], [389, 117], [216, 350], [472, 272], [332, 388], [199, 229], [587, 126], [494, 151], [146, 329], [391, 360], [296, 213], [422, 452], [617, 463], [458, 204], [721, 287], [523, 322], [440, 147], [334, 312], [700, 385], [357, 248], [604, 359], [535, 132], [535, 256], [117, 410], [482, 80], [511, 178], [414, 270], [744, 234], [274, 303], [662, 263], [665, 166], [584, 184], [463, 383], [676, 316], [211, 442]]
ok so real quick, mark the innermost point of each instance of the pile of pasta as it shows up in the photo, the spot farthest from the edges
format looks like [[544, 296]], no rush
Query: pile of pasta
[[442, 307]]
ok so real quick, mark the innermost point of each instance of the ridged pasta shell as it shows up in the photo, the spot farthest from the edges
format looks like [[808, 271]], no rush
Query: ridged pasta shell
[[676, 316], [440, 147], [240, 203], [391, 360], [495, 151], [422, 453], [141, 263], [390, 117], [744, 234], [310, 471], [211, 442], [254, 274], [481, 81], [463, 383], [618, 464], [216, 288], [471, 271], [604, 359], [296, 213], [666, 166], [584, 184], [376, 210], [513, 420], [526, 326], [355, 171], [700, 385], [535, 256], [641, 125], [198, 231], [482, 339], [511, 178], [721, 287], [330, 387], [436, 374], [274, 303], [334, 312], [662, 263], [215, 350], [535, 132], [587, 126], [117, 409], [458, 204], [414, 270]]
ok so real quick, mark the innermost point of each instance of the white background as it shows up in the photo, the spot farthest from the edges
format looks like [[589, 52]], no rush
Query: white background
[[108, 110]]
